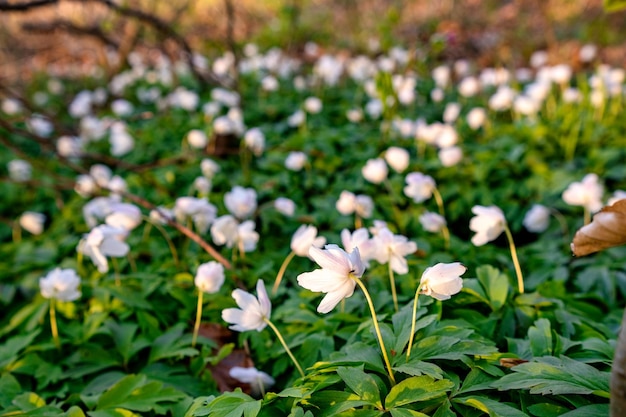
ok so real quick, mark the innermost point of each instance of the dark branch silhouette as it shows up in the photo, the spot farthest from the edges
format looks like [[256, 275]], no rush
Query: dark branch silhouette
[[67, 26], [25, 7]]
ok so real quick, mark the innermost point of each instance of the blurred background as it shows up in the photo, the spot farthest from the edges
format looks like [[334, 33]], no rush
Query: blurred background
[[65, 37]]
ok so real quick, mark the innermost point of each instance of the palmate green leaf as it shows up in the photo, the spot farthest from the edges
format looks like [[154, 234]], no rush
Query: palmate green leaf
[[359, 353], [9, 388], [113, 412], [418, 367], [540, 336], [547, 409], [123, 335], [556, 376], [361, 384], [31, 313], [171, 344], [10, 350], [197, 404], [230, 404], [135, 392], [491, 407], [415, 389], [495, 284], [332, 403]]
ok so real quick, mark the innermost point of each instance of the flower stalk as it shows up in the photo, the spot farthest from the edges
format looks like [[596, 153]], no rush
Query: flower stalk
[[281, 272], [53, 324], [196, 327], [518, 270], [282, 341], [377, 329], [416, 306], [392, 283]]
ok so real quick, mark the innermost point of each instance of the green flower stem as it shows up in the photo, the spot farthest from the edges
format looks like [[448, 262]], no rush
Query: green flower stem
[[53, 324], [196, 326], [392, 283], [416, 306], [16, 232], [587, 216], [439, 201], [281, 272], [358, 223], [446, 236], [282, 341], [518, 270], [167, 239], [116, 268], [377, 329]]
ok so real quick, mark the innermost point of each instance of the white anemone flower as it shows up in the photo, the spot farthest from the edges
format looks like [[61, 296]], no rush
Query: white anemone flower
[[587, 193], [305, 237], [337, 276], [103, 241], [419, 186], [32, 222], [488, 224], [259, 381], [209, 277], [285, 206], [241, 202], [537, 218], [375, 170], [60, 284], [253, 313], [442, 280], [392, 249]]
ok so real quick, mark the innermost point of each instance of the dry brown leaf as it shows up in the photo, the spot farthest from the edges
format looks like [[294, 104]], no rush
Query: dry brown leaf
[[607, 229]]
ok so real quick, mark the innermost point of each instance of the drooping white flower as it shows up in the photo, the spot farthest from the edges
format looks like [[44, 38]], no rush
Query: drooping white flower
[[285, 206], [19, 170], [60, 284], [375, 170], [241, 202], [432, 222], [259, 381], [252, 313], [121, 141], [537, 218], [587, 193], [97, 209], [419, 186], [296, 119], [305, 237], [11, 106], [209, 277], [476, 118], [224, 231], [255, 141], [40, 125], [69, 146], [364, 206], [247, 237], [202, 185], [103, 241], [450, 156], [337, 276], [197, 138], [295, 161], [312, 105], [442, 280], [346, 204], [617, 195], [451, 112], [123, 215], [488, 224], [392, 249], [32, 222], [209, 168], [397, 158], [201, 212], [122, 107]]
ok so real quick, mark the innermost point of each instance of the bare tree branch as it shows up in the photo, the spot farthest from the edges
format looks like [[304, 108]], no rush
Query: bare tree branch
[[67, 26], [24, 7]]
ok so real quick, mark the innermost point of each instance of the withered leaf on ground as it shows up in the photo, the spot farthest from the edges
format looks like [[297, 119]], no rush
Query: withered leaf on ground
[[607, 229]]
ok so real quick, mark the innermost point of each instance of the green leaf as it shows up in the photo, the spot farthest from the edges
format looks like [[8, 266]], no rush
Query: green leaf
[[231, 404], [28, 401], [361, 384], [9, 388], [123, 335], [547, 409], [556, 376], [359, 353], [418, 367], [405, 412], [170, 344], [540, 336], [491, 407], [496, 285], [197, 404], [10, 350], [74, 411], [114, 412], [415, 389], [591, 410], [135, 392]]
